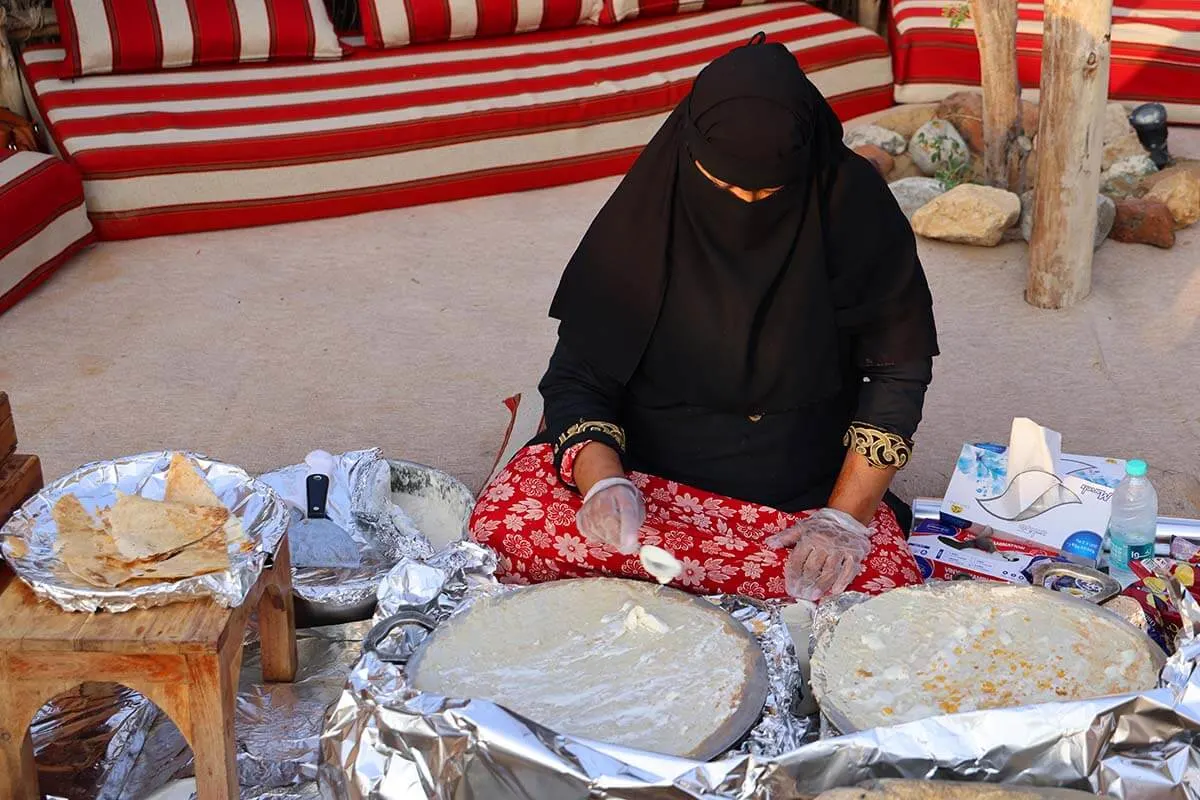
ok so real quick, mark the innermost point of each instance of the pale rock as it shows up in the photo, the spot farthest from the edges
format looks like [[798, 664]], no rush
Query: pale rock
[[1106, 213], [913, 193], [904, 167], [1181, 193], [1116, 123], [1123, 177], [888, 141], [906, 119], [1122, 147], [968, 214], [936, 145]]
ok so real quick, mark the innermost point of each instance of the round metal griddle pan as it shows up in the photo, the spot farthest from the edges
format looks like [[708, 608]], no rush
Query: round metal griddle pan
[[841, 720], [723, 738]]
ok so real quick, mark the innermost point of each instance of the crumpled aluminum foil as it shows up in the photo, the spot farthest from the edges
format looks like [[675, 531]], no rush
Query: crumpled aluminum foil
[[135, 749], [30, 536], [385, 741], [86, 740], [394, 736], [360, 502]]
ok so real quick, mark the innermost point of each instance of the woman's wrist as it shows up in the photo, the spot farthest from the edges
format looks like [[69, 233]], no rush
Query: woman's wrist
[[596, 462]]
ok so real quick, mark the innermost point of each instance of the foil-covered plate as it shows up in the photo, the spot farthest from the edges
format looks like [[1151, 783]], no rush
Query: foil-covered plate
[[30, 536]]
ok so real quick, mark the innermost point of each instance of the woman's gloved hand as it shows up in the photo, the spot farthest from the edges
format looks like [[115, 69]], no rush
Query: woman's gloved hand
[[612, 513], [829, 548]]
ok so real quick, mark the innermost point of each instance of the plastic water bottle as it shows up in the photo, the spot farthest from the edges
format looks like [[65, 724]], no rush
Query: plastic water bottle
[[1132, 521]]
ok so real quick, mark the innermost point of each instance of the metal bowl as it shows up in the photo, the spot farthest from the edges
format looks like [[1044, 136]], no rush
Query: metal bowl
[[439, 505]]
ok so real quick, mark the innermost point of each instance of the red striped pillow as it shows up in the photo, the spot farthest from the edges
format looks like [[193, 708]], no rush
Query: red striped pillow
[[395, 23], [104, 36], [619, 10]]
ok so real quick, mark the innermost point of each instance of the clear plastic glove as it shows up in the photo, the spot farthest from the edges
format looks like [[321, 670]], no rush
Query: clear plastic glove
[[829, 548], [612, 513]]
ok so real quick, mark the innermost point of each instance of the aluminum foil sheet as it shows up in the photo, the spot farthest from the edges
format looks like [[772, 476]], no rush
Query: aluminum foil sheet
[[360, 501], [30, 536], [86, 740], [105, 742], [384, 741]]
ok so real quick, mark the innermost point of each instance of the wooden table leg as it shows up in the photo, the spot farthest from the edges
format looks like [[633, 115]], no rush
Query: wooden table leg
[[211, 704], [277, 620], [18, 772]]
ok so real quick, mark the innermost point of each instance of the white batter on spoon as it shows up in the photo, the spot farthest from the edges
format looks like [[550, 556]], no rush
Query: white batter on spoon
[[661, 565]]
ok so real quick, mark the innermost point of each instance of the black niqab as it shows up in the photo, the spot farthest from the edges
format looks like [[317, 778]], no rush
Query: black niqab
[[747, 307]]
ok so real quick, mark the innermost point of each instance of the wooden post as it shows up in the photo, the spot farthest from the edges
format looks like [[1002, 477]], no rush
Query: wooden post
[[1075, 50], [870, 14], [995, 23]]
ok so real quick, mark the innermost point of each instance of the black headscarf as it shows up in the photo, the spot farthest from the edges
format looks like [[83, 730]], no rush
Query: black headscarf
[[747, 307]]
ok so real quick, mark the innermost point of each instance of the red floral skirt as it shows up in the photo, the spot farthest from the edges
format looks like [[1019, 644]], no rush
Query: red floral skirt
[[528, 517]]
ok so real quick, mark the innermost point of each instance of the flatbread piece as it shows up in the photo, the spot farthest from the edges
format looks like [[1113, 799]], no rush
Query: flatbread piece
[[85, 548], [210, 554], [186, 485], [146, 528]]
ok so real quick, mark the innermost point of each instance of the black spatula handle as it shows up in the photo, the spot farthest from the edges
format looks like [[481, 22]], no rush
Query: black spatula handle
[[317, 489]]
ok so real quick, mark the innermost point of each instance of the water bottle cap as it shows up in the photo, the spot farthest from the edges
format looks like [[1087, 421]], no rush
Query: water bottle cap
[[1135, 468]]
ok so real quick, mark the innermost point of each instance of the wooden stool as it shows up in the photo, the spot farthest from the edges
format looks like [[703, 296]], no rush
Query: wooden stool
[[185, 657]]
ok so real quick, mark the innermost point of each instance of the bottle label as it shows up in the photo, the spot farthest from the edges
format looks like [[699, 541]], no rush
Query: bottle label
[[1137, 552], [1122, 553]]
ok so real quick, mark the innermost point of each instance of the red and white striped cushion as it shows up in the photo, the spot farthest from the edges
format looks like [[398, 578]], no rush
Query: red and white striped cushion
[[620, 10], [42, 221], [1155, 53], [105, 36], [190, 150], [395, 23]]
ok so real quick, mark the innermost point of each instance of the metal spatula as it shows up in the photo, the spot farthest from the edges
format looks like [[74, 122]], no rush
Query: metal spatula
[[316, 540]]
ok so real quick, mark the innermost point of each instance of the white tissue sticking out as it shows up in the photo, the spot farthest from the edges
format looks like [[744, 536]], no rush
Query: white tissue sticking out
[[661, 565], [1031, 481], [1031, 449]]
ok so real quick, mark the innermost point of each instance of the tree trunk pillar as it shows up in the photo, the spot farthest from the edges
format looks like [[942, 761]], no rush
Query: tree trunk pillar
[[1075, 54], [995, 23]]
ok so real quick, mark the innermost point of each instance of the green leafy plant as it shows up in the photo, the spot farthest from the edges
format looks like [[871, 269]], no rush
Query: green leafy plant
[[951, 160], [957, 14]]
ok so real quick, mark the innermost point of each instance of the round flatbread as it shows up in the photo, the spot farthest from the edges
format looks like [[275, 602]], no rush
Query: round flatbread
[[607, 659], [943, 648]]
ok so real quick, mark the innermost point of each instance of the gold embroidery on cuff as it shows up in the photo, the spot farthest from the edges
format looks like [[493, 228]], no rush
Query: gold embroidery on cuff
[[592, 426], [882, 449]]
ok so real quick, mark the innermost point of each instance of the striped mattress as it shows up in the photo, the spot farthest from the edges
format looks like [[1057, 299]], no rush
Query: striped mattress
[[202, 149], [42, 221], [1155, 53]]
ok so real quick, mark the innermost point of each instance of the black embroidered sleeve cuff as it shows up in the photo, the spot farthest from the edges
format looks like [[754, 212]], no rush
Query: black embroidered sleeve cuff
[[608, 433], [881, 448]]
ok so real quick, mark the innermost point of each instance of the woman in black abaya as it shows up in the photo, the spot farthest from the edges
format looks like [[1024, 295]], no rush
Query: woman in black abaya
[[745, 340]]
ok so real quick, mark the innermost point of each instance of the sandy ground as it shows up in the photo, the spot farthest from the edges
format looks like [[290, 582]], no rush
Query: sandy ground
[[405, 329]]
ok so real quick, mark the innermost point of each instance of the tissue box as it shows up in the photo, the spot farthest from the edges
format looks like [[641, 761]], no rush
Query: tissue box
[[942, 555], [1070, 518]]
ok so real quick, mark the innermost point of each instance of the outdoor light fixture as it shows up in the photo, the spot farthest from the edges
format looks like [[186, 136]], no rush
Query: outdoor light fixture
[[1150, 122]]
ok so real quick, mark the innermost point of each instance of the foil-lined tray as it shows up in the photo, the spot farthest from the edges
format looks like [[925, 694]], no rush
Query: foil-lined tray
[[105, 742], [30, 536]]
